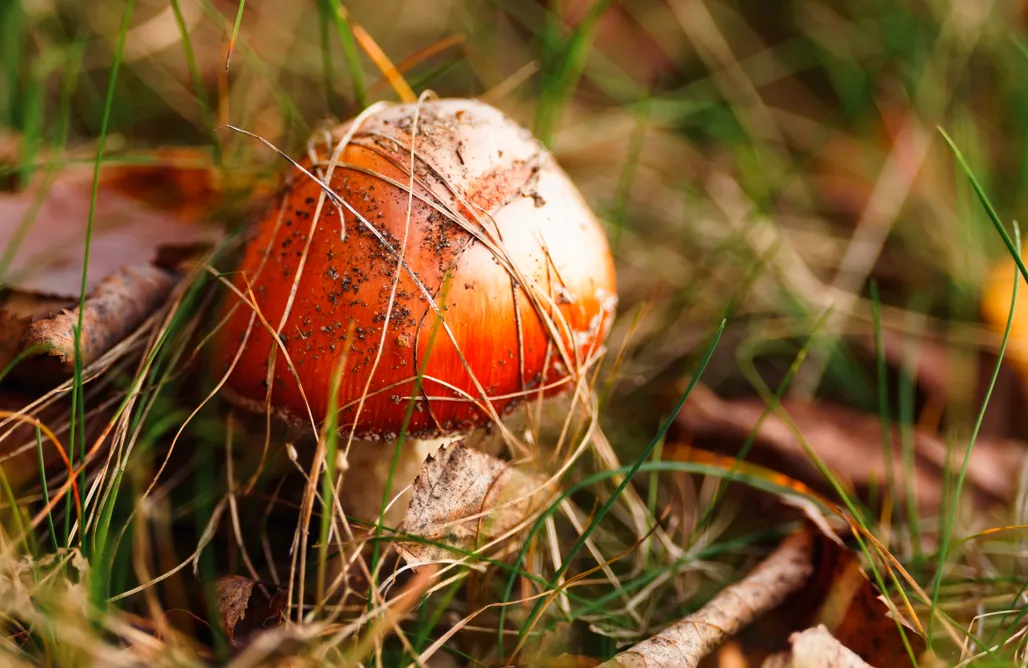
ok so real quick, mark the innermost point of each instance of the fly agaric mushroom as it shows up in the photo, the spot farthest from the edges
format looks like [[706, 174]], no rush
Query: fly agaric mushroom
[[506, 291]]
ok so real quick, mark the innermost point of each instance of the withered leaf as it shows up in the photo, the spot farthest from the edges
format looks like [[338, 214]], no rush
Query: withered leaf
[[815, 648], [850, 444], [131, 224], [463, 498], [851, 608], [147, 218], [245, 612]]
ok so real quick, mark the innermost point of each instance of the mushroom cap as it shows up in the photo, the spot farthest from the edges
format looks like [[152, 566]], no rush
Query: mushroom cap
[[505, 294]]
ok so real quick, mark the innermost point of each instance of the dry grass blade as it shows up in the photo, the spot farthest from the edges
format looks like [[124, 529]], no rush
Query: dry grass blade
[[383, 63], [686, 642]]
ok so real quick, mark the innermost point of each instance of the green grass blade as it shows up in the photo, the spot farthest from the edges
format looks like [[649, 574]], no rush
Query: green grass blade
[[350, 51], [327, 69], [12, 39], [77, 401], [194, 74], [235, 34], [883, 391], [1015, 252], [564, 69], [954, 498], [609, 503], [46, 490]]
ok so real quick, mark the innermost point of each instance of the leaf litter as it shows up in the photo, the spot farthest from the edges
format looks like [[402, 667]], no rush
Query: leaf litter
[[148, 220], [463, 498], [244, 611], [850, 444]]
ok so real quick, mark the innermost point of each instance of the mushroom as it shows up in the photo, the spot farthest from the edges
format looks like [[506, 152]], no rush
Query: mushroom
[[505, 294]]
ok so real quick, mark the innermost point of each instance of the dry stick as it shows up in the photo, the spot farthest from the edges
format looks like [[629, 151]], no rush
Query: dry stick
[[685, 643]]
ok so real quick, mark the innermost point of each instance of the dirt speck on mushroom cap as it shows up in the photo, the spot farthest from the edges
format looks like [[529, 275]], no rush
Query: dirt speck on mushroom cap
[[506, 289]]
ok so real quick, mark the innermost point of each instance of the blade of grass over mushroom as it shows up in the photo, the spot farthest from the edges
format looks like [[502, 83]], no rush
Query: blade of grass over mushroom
[[603, 510], [415, 397], [202, 99], [949, 519], [883, 398], [77, 397], [340, 17]]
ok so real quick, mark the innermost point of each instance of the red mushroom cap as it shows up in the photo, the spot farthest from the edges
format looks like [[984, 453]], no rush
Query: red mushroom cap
[[498, 242]]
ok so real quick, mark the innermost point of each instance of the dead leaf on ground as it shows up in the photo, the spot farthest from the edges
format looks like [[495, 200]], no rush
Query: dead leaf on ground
[[245, 610], [147, 220], [464, 498], [855, 613], [139, 210], [850, 444], [815, 648]]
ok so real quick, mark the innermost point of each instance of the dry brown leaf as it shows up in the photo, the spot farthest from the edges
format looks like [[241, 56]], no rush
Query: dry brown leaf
[[686, 642], [463, 498], [853, 611], [245, 612], [816, 648], [146, 220], [139, 210], [850, 444]]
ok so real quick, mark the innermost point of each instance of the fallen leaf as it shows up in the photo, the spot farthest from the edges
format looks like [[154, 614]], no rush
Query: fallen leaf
[[147, 220], [850, 444], [245, 612], [686, 642], [127, 229], [852, 609], [464, 498], [816, 648]]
